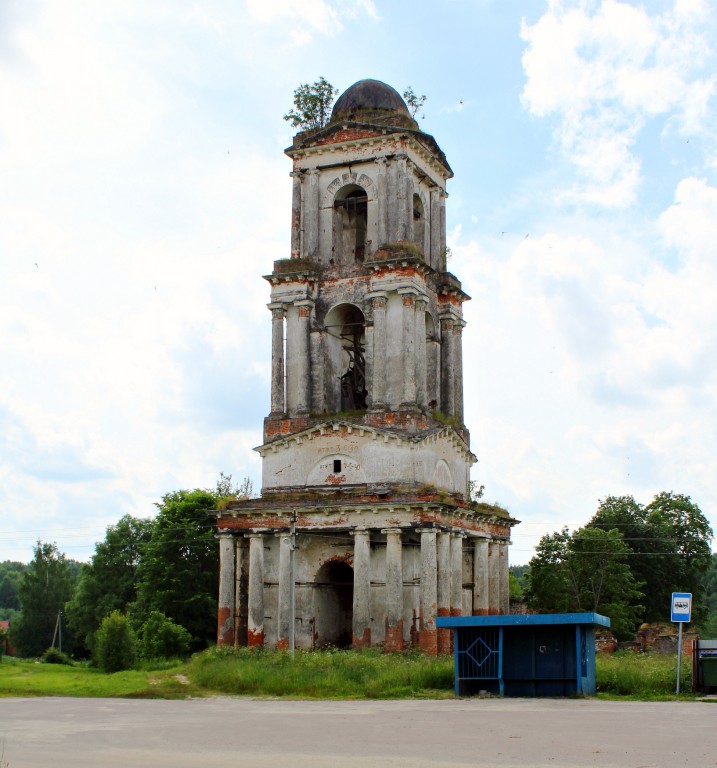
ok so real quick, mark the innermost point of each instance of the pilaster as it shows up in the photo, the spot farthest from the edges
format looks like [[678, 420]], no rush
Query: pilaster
[[311, 214], [447, 358], [255, 630], [480, 577], [427, 637], [504, 568], [394, 591], [443, 554], [378, 395], [409, 348], [277, 358], [284, 601], [361, 629], [493, 579], [227, 605], [456, 574], [296, 215], [421, 360]]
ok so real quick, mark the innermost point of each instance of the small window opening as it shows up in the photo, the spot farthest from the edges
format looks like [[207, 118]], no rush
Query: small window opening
[[337, 465]]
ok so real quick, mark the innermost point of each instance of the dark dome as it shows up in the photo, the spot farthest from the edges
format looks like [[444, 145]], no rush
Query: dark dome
[[369, 96]]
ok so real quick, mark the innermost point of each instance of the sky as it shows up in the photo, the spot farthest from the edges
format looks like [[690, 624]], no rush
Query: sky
[[144, 192]]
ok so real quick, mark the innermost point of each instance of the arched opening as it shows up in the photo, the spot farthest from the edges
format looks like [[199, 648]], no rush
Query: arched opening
[[419, 223], [350, 224], [333, 605], [345, 357]]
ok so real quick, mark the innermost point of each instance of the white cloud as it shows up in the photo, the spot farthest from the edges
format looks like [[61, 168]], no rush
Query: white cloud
[[603, 70]]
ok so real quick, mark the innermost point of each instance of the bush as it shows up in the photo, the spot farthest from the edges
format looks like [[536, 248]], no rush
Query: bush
[[115, 644], [161, 638], [56, 656]]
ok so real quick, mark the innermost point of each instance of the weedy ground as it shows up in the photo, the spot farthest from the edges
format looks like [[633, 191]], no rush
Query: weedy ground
[[328, 674]]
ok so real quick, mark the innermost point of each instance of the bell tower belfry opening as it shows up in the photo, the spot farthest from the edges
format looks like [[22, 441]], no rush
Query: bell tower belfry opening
[[365, 453]]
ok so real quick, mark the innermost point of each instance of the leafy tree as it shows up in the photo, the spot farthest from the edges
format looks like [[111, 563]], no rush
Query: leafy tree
[[709, 587], [669, 546], [312, 105], [178, 572], [115, 644], [586, 571], [413, 102], [226, 487], [10, 574], [109, 581], [45, 587], [161, 638]]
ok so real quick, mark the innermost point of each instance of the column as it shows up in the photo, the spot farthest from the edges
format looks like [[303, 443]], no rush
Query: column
[[443, 555], [480, 577], [435, 258], [394, 591], [296, 215], [303, 369], [457, 574], [402, 218], [316, 368], [226, 606], [458, 326], [361, 630], [447, 373], [493, 579], [427, 637], [378, 399], [277, 358], [368, 362], [255, 629], [421, 361], [409, 350], [409, 205], [504, 598], [284, 601], [392, 200], [311, 215], [382, 212], [442, 222]]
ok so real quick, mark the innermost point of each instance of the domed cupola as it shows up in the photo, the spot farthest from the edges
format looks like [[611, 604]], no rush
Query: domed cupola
[[372, 101]]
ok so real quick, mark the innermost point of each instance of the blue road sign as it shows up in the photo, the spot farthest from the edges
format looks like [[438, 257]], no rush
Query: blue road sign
[[681, 606]]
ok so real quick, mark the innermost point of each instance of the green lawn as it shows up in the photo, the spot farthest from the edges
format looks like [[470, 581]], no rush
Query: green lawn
[[28, 678]]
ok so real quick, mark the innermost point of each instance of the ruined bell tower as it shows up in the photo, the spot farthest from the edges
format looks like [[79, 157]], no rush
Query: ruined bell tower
[[365, 453]]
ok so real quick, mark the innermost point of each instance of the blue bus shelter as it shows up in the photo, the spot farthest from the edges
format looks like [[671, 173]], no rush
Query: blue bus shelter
[[550, 654]]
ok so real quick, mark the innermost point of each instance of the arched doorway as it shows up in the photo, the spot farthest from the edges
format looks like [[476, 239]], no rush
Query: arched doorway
[[333, 605]]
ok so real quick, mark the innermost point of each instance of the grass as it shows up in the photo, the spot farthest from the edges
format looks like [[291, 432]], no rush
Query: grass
[[19, 677], [331, 674], [642, 676]]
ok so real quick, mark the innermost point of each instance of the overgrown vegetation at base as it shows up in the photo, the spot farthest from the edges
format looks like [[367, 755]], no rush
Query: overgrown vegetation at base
[[642, 675], [331, 674]]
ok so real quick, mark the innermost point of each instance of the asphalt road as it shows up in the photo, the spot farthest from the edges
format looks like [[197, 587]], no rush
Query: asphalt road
[[250, 733]]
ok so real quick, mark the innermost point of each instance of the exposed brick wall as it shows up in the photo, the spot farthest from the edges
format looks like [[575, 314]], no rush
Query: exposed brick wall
[[393, 642]]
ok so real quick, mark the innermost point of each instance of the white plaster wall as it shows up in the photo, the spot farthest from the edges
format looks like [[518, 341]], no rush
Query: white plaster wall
[[371, 457]]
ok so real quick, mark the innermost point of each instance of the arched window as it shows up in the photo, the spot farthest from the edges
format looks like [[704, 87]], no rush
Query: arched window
[[345, 359], [350, 224]]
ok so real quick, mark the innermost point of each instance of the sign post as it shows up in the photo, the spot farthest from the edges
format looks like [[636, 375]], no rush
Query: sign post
[[681, 612]]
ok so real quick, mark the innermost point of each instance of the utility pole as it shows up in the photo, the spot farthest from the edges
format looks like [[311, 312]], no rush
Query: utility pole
[[58, 628]]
